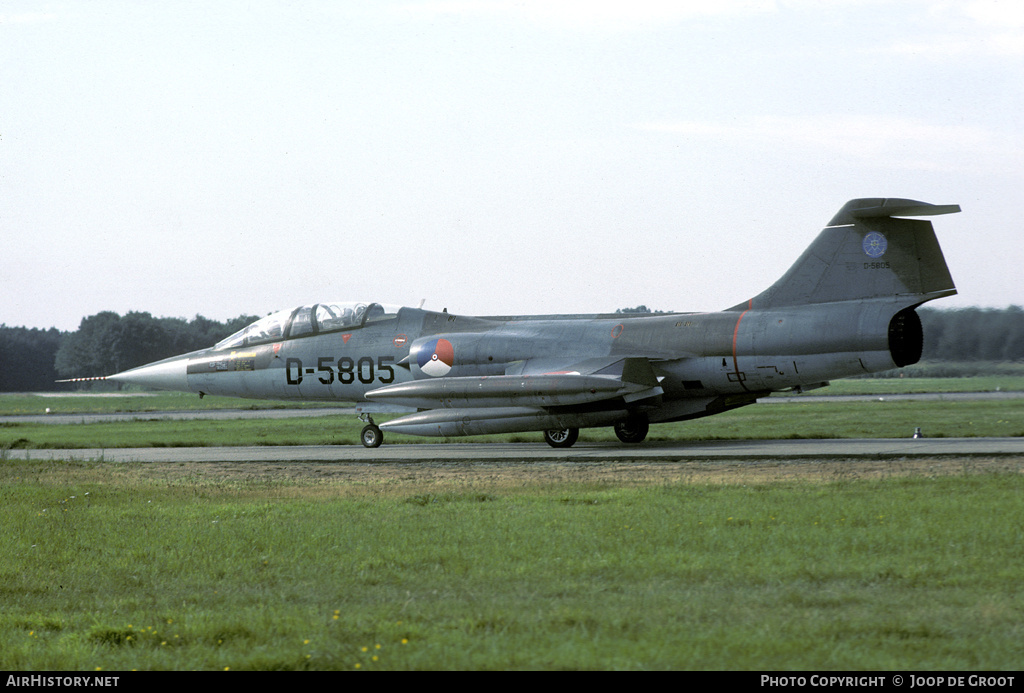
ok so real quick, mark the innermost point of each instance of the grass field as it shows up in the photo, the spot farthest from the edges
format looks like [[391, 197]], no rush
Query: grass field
[[113, 567], [725, 565]]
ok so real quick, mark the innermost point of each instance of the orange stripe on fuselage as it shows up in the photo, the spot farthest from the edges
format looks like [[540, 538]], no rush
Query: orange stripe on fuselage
[[735, 334]]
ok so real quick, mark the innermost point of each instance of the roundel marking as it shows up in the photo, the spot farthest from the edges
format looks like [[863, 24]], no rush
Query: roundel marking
[[436, 357], [875, 244]]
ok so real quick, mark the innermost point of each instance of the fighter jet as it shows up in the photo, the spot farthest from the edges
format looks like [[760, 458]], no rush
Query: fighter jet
[[845, 308]]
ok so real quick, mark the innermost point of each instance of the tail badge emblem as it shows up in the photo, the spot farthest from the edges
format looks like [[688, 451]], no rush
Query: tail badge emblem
[[875, 245]]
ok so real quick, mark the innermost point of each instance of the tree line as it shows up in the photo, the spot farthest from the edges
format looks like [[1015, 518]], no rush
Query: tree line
[[973, 334], [103, 344], [107, 343]]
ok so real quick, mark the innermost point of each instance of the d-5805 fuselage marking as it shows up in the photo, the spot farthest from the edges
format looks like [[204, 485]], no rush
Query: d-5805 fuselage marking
[[365, 369]]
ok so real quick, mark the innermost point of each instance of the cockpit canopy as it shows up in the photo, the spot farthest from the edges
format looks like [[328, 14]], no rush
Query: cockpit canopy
[[303, 321]]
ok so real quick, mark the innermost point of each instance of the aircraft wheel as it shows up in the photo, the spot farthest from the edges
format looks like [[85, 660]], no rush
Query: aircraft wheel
[[371, 436], [632, 430], [561, 438]]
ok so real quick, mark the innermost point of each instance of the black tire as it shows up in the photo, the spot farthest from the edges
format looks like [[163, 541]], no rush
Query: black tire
[[371, 436], [561, 438], [633, 430]]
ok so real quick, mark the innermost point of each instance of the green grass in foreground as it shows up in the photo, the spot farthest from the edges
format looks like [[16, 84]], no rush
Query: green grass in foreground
[[803, 419], [104, 568]]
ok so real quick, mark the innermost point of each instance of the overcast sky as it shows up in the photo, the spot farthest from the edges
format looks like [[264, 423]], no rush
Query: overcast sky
[[516, 156]]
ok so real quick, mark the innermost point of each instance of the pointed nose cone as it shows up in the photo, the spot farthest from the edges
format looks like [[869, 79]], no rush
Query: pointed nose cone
[[169, 374]]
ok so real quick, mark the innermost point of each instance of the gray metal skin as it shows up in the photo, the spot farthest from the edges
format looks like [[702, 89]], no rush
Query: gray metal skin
[[845, 308]]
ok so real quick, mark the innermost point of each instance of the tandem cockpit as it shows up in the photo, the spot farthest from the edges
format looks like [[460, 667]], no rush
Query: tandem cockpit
[[309, 320]]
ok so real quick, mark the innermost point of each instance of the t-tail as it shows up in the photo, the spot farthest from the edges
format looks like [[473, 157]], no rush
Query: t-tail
[[868, 251], [847, 306]]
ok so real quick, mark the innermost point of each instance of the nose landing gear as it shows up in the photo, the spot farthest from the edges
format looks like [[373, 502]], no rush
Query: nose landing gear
[[371, 435]]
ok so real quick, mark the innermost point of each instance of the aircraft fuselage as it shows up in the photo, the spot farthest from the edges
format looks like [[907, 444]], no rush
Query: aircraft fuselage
[[845, 308]]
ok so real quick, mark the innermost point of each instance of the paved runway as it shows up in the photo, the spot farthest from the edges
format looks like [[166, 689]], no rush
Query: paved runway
[[653, 451]]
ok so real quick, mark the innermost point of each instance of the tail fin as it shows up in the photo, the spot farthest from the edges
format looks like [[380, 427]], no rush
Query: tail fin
[[867, 252]]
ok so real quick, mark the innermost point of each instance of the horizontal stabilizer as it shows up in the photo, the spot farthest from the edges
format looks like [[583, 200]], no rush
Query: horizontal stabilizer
[[887, 207], [903, 208]]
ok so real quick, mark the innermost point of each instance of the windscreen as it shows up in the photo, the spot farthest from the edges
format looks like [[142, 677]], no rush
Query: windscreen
[[309, 320]]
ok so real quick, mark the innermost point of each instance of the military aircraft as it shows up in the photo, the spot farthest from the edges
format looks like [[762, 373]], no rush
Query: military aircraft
[[845, 308]]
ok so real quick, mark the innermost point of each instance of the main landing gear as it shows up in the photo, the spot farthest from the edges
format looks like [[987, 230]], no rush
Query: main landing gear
[[561, 438], [632, 430], [371, 435]]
